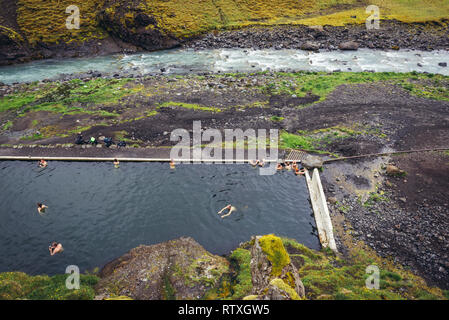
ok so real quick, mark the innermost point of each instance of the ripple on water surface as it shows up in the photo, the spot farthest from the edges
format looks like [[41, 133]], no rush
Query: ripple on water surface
[[186, 61], [99, 213]]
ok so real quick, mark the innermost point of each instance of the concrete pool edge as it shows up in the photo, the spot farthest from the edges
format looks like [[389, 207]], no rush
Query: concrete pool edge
[[320, 210]]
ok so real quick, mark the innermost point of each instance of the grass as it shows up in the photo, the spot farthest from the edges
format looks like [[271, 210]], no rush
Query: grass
[[72, 97], [45, 21], [317, 140], [18, 285], [375, 197], [243, 285], [276, 118], [328, 276], [321, 84], [188, 106], [7, 125]]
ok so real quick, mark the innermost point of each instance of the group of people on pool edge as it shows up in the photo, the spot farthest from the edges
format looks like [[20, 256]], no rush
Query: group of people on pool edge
[[291, 165]]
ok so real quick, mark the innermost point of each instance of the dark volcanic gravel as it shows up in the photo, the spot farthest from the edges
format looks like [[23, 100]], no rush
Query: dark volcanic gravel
[[391, 35]]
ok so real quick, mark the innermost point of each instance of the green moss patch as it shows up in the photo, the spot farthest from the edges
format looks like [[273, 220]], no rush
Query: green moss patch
[[273, 247], [18, 285]]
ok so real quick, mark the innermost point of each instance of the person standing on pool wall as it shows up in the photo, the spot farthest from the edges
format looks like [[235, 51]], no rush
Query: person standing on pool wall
[[55, 248], [228, 207]]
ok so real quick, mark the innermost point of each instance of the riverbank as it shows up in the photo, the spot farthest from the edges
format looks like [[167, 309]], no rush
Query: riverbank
[[31, 30], [330, 114]]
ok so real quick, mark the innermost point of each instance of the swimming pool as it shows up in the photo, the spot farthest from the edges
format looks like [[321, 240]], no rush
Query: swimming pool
[[99, 213]]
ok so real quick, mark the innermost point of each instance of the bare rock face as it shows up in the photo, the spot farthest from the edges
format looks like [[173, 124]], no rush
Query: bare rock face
[[177, 269], [274, 277], [131, 25]]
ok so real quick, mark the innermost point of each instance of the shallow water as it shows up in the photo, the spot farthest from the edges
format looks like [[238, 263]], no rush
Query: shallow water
[[183, 61], [99, 213]]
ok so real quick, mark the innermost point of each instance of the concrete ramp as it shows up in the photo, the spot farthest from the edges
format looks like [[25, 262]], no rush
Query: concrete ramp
[[320, 210]]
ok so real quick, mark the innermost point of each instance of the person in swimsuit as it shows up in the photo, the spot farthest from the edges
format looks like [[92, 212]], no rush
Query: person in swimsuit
[[228, 207], [300, 172], [254, 162], [116, 163], [279, 167], [172, 164], [294, 165], [261, 163], [41, 207], [42, 163], [55, 248]]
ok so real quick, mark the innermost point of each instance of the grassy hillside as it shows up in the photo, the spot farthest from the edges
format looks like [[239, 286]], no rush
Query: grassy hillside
[[39, 20], [18, 285]]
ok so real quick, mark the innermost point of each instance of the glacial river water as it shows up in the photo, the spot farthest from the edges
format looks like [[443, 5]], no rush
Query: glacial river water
[[183, 61], [99, 213]]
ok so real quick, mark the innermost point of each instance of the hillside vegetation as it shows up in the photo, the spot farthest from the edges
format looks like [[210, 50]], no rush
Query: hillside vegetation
[[38, 20]]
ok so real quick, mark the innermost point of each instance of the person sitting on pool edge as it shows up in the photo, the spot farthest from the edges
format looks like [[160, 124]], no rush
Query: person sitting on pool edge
[[228, 207], [294, 166], [41, 207], [79, 139], [116, 163], [55, 248], [42, 163], [261, 162]]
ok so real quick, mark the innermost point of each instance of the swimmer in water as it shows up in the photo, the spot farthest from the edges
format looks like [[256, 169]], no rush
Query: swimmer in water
[[116, 163], [228, 207], [279, 167], [172, 164], [299, 172], [41, 208], [55, 248], [254, 162], [261, 163], [287, 165], [42, 163]]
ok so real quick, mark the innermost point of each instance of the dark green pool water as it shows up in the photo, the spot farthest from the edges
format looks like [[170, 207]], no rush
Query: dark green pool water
[[99, 213]]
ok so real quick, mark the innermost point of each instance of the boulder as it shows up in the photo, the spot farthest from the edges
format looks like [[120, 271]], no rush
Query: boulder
[[177, 269], [310, 46], [394, 171], [348, 45], [311, 162]]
